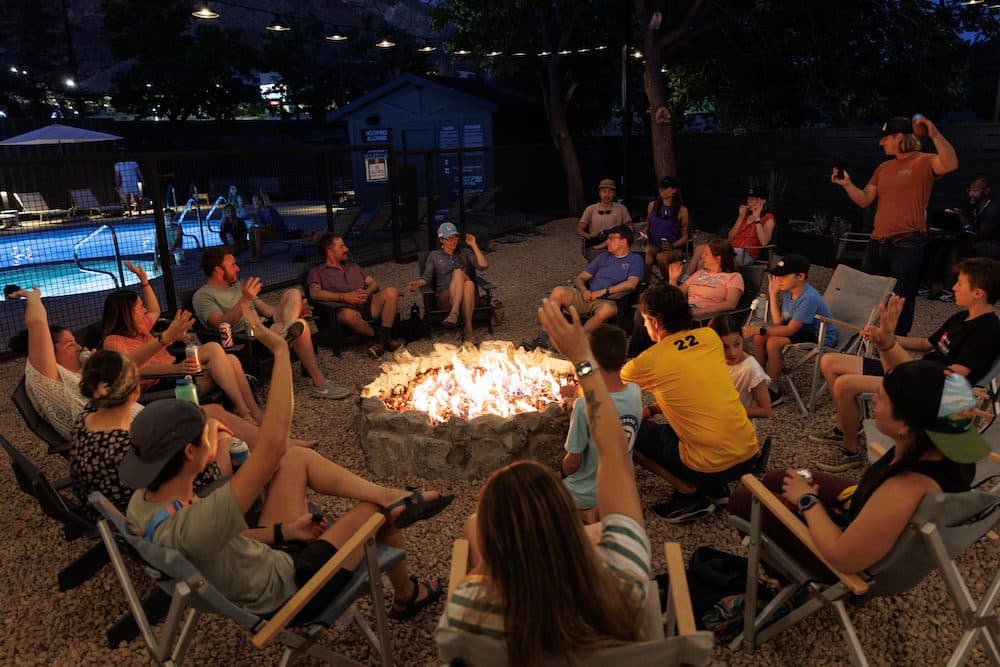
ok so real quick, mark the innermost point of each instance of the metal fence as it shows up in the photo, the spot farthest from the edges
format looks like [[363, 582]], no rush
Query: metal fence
[[70, 222]]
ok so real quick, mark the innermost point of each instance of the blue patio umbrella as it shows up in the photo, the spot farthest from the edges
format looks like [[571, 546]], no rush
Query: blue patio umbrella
[[58, 134]]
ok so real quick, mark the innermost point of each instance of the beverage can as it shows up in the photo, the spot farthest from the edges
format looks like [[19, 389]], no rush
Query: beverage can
[[84, 355], [239, 452], [805, 474], [226, 332], [191, 352]]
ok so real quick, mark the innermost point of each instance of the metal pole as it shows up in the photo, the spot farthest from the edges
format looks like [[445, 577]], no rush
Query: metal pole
[[428, 167], [327, 191], [623, 187], [461, 191], [397, 245], [152, 170]]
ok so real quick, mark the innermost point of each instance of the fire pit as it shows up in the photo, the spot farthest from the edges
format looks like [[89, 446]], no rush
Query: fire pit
[[462, 411]]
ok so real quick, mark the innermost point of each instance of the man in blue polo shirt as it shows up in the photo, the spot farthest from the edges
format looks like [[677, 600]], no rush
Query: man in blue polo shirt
[[608, 279]]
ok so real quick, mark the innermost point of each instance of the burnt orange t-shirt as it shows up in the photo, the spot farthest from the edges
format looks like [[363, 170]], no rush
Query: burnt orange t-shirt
[[904, 188]]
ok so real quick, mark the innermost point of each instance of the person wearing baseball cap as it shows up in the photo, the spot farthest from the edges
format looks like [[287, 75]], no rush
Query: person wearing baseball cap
[[452, 273], [794, 307], [173, 443], [902, 187], [598, 218], [667, 234], [926, 412]]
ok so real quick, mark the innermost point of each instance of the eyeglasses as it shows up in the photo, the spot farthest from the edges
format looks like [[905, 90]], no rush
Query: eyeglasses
[[608, 212]]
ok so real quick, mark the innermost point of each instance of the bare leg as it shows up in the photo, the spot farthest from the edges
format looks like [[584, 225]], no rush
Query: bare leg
[[774, 345], [222, 372], [385, 303], [562, 295], [845, 392], [352, 319], [244, 430], [455, 291], [835, 364], [289, 306], [604, 312], [468, 304]]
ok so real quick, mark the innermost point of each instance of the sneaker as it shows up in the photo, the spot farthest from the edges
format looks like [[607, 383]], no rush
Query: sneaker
[[719, 495], [832, 437], [333, 391], [777, 396], [292, 331], [375, 350], [923, 291], [840, 460], [944, 295], [684, 507]]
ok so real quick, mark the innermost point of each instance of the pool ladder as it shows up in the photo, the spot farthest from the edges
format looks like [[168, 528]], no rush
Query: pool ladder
[[118, 255]]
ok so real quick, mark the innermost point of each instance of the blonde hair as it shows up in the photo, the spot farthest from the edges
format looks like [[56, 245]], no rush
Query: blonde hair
[[558, 598], [909, 143]]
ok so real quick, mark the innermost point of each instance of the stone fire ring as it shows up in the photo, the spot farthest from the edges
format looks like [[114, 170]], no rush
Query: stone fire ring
[[403, 444]]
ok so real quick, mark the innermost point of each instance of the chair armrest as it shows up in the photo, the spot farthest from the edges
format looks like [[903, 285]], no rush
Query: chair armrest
[[459, 566], [680, 597], [876, 449], [294, 605], [163, 376], [771, 502], [485, 284], [837, 323]]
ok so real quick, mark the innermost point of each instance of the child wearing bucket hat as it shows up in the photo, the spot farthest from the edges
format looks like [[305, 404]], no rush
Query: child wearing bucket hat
[[927, 411]]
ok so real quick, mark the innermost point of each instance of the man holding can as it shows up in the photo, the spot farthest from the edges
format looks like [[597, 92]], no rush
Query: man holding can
[[902, 187], [223, 296]]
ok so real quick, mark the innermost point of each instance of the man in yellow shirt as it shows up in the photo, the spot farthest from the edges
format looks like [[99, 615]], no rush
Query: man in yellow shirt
[[709, 440]]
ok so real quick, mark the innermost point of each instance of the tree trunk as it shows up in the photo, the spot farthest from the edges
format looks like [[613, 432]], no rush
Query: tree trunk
[[563, 140], [661, 128]]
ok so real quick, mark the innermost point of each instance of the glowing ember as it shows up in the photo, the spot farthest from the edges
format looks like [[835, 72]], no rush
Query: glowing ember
[[468, 382]]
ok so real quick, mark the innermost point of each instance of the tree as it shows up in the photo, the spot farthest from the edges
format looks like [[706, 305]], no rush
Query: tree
[[543, 27]]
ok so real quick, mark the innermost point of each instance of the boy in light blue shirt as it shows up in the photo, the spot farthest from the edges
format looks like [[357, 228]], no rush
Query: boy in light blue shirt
[[580, 461]]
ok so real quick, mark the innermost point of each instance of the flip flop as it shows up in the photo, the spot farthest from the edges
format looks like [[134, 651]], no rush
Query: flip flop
[[412, 607], [450, 323], [415, 508]]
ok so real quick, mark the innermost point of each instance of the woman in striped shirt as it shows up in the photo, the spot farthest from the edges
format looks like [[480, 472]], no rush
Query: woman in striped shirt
[[537, 581]]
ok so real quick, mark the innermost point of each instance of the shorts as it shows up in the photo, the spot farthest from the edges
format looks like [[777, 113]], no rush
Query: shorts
[[660, 443], [871, 366], [804, 335], [308, 562], [584, 308]]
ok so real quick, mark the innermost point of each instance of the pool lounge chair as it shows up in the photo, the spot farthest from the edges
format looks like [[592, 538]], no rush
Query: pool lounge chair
[[33, 203], [84, 200]]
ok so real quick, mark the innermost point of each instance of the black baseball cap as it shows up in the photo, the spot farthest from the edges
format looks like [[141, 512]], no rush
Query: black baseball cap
[[895, 125], [162, 429], [758, 192], [624, 230], [926, 394], [790, 264], [670, 182]]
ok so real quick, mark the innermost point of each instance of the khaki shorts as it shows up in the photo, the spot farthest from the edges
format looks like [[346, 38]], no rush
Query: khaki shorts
[[588, 309]]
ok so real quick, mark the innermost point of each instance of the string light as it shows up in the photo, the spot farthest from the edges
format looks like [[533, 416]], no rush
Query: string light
[[428, 47], [494, 54], [204, 12], [385, 43], [461, 51], [277, 25]]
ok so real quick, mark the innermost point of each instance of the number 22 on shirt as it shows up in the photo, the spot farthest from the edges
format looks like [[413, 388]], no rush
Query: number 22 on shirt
[[685, 343]]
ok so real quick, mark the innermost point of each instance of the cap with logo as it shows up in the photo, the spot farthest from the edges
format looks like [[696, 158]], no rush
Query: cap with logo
[[758, 192], [896, 125], [790, 264], [446, 230]]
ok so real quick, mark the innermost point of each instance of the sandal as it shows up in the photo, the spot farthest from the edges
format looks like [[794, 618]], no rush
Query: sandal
[[292, 331], [412, 607], [415, 508]]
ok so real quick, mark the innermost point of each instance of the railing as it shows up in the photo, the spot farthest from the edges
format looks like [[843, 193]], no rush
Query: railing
[[208, 217], [118, 255]]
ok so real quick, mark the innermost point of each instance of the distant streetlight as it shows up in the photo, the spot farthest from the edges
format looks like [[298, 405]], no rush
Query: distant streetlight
[[204, 12], [565, 52]]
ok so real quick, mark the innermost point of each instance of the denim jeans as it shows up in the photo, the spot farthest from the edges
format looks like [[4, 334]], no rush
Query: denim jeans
[[902, 260]]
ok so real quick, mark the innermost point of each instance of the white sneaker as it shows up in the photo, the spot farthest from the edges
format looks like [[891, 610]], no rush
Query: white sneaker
[[333, 391]]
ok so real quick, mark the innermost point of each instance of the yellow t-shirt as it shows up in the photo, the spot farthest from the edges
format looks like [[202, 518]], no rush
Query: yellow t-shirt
[[686, 373]]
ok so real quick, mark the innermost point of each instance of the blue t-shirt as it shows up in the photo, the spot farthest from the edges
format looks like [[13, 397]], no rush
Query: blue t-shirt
[[582, 484], [608, 270], [804, 309]]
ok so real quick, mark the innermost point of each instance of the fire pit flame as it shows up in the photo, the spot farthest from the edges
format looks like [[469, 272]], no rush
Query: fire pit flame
[[468, 382]]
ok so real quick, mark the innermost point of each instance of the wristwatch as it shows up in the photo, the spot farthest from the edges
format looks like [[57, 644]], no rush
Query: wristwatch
[[807, 501], [585, 368]]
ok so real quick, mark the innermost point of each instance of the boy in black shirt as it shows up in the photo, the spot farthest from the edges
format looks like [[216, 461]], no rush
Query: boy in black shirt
[[968, 342]]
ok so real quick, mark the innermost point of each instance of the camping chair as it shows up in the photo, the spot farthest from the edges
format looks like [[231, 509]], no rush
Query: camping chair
[[37, 425], [330, 333], [688, 647], [943, 526], [851, 248], [853, 297], [753, 282], [33, 203], [191, 595], [484, 309], [84, 200]]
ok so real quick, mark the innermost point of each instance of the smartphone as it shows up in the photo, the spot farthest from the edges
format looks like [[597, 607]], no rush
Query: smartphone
[[318, 517]]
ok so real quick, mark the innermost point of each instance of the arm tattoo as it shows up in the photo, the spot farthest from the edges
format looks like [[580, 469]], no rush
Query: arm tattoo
[[592, 406]]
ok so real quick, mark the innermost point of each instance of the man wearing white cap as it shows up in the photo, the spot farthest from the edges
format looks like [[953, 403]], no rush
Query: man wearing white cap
[[452, 272]]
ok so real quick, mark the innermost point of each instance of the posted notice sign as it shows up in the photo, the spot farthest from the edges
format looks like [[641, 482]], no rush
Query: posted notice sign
[[376, 166]]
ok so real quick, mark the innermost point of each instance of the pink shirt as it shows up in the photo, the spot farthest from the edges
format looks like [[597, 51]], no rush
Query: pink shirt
[[706, 288], [127, 345]]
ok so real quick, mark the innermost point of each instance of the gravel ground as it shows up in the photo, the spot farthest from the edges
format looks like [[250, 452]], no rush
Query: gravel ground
[[38, 624]]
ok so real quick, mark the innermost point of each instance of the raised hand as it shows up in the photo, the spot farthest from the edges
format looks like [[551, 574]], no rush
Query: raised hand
[[674, 272], [251, 288], [31, 293], [568, 337], [744, 209], [139, 272], [840, 177], [470, 240], [179, 326]]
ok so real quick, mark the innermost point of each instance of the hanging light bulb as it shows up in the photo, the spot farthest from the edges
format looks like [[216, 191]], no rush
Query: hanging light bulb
[[462, 51], [337, 35], [602, 47], [565, 52], [494, 53], [542, 54], [583, 49], [385, 43], [428, 47], [520, 53], [204, 12], [278, 25]]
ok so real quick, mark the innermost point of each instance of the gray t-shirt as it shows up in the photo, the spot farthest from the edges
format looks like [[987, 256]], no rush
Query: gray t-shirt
[[208, 533], [599, 217], [212, 298], [440, 265]]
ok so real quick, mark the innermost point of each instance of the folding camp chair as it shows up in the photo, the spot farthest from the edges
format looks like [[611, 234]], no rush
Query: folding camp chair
[[191, 595], [33, 203], [753, 282], [853, 297], [482, 312], [688, 647], [84, 200], [943, 526], [37, 424]]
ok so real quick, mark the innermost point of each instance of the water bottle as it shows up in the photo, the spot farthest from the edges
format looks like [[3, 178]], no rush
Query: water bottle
[[186, 391], [239, 452], [414, 312]]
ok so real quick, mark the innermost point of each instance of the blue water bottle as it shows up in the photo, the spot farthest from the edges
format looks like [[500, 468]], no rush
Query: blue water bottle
[[186, 391]]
